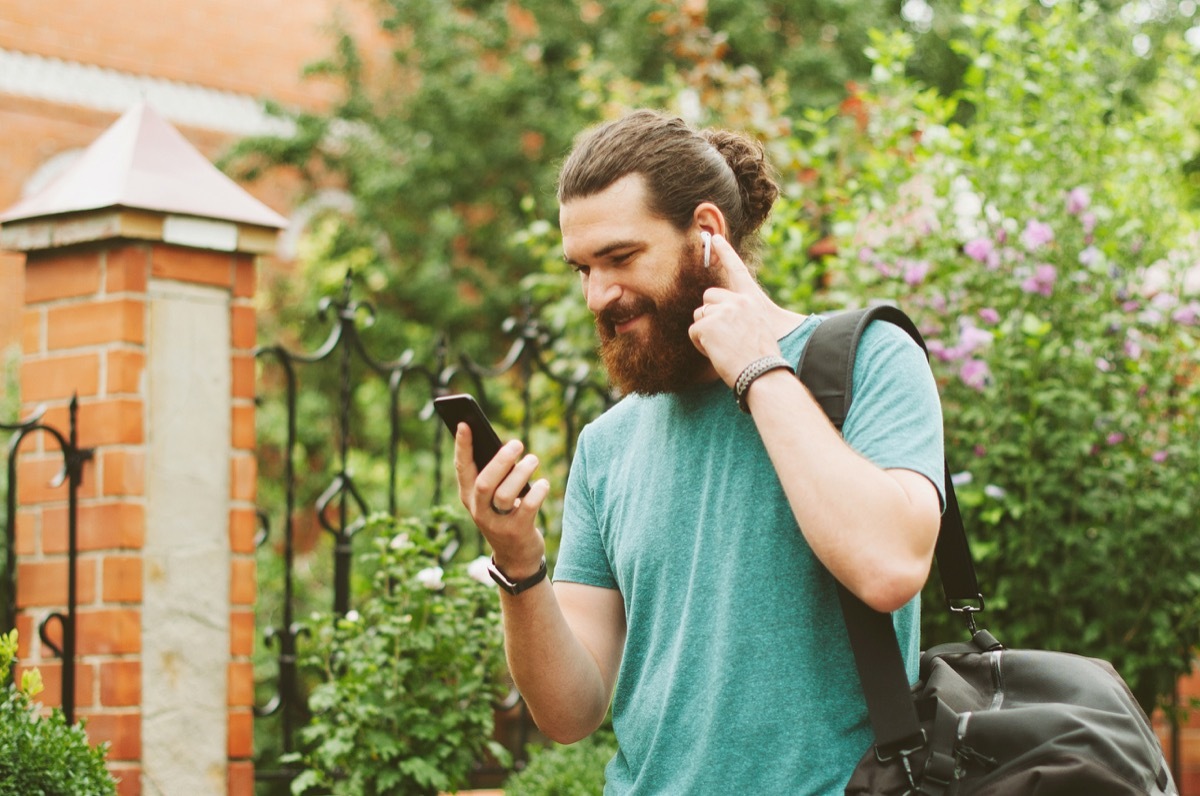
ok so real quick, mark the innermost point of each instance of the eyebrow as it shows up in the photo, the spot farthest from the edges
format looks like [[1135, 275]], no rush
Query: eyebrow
[[604, 251]]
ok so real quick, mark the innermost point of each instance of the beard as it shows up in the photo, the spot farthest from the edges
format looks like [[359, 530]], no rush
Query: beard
[[662, 358]]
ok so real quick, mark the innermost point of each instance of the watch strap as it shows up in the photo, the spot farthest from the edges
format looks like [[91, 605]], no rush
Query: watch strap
[[515, 587]]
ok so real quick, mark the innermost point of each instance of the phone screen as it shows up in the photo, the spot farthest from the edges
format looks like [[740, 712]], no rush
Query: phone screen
[[463, 408]]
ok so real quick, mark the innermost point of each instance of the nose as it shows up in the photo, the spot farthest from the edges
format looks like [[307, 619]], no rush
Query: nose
[[600, 290]]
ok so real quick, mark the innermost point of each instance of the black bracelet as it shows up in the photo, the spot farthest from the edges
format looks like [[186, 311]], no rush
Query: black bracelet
[[516, 586], [753, 371]]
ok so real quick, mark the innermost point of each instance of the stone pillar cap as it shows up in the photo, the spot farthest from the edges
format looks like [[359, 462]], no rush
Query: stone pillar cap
[[143, 163]]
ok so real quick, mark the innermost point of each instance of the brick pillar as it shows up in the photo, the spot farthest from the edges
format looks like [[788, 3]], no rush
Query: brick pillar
[[147, 316]]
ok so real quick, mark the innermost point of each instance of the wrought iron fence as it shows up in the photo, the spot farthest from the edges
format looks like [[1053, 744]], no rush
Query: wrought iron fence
[[71, 475], [416, 451]]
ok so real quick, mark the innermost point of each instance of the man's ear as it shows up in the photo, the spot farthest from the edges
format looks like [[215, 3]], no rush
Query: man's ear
[[708, 217]]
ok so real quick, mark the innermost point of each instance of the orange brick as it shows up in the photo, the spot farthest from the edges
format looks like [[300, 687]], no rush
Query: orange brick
[[244, 435], [243, 530], [109, 631], [95, 322], [192, 265], [61, 274], [241, 778], [29, 531], [245, 276], [44, 583], [36, 479], [241, 633], [243, 477], [128, 777], [124, 472], [58, 378], [244, 375], [240, 690], [243, 331], [126, 269], [111, 526], [33, 327], [121, 683], [107, 421], [126, 370], [241, 733], [243, 585], [26, 635], [121, 579], [122, 730]]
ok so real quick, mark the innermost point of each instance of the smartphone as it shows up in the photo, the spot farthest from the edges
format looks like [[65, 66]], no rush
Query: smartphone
[[463, 408]]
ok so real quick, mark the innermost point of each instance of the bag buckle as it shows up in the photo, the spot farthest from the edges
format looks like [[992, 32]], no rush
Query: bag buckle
[[905, 754], [968, 607]]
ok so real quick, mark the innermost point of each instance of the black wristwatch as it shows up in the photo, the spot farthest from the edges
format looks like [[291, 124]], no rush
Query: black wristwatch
[[516, 587]]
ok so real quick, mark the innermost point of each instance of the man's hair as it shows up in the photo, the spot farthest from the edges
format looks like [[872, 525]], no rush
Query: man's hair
[[682, 168]]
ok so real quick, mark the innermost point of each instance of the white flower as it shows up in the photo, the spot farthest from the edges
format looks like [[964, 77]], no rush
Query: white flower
[[352, 616], [478, 569], [995, 492], [431, 578], [401, 542], [961, 479]]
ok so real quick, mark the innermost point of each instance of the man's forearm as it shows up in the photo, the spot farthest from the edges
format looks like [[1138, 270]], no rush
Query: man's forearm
[[873, 529], [566, 685]]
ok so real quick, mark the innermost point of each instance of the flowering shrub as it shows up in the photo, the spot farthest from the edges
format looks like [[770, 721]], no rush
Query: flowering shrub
[[410, 678], [42, 753], [1045, 248]]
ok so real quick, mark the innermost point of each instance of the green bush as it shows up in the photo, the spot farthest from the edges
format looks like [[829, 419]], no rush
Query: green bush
[[410, 678], [556, 770], [1036, 226], [42, 755]]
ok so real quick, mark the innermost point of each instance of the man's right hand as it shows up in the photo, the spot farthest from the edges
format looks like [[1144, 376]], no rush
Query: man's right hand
[[491, 495]]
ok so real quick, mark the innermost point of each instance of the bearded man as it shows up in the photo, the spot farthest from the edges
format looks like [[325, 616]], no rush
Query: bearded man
[[708, 514]]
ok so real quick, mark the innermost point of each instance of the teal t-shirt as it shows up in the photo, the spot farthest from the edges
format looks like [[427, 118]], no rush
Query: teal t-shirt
[[737, 674]]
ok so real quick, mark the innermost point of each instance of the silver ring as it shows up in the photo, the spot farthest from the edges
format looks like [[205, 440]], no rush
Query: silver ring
[[500, 511]]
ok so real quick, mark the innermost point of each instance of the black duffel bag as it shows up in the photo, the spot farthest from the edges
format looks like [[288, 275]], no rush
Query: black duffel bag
[[982, 720]]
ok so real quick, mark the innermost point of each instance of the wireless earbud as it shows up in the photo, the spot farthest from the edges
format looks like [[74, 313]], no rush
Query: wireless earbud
[[706, 236]]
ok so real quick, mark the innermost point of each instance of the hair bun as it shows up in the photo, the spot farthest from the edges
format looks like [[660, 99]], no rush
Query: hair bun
[[747, 158]]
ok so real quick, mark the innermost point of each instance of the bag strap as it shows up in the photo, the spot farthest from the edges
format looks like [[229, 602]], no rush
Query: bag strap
[[827, 368]]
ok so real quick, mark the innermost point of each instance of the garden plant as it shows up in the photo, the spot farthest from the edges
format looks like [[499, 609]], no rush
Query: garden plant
[[39, 752]]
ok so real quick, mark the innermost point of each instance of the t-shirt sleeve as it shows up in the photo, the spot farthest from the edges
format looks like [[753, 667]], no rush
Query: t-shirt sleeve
[[895, 417], [581, 554]]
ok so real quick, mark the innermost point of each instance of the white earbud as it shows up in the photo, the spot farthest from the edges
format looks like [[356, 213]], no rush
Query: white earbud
[[706, 236]]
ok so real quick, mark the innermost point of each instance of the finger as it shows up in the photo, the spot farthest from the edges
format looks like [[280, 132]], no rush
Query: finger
[[737, 274], [464, 461], [510, 488], [529, 505]]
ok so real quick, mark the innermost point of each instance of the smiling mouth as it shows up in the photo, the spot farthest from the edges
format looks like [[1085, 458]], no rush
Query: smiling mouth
[[623, 326]]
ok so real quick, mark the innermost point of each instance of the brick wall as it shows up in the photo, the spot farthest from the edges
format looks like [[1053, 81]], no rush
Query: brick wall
[[84, 332]]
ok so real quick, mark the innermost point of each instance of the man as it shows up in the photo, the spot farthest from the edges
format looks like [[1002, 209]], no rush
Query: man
[[708, 512]]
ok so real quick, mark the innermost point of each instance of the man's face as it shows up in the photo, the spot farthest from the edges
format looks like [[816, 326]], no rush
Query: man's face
[[643, 279]]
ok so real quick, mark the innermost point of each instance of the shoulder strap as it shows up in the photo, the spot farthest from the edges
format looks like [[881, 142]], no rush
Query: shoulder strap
[[827, 368]]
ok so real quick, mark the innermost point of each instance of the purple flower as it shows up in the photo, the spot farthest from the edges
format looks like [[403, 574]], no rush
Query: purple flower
[[1115, 438], [980, 451], [1133, 349], [975, 374], [1078, 200], [980, 250], [1089, 256], [1036, 235], [915, 272], [1103, 365], [1187, 315], [866, 254], [1042, 280], [1158, 457], [1088, 220], [989, 315], [972, 338], [938, 349]]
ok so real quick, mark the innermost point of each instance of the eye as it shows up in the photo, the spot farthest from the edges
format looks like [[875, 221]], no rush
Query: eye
[[582, 270]]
